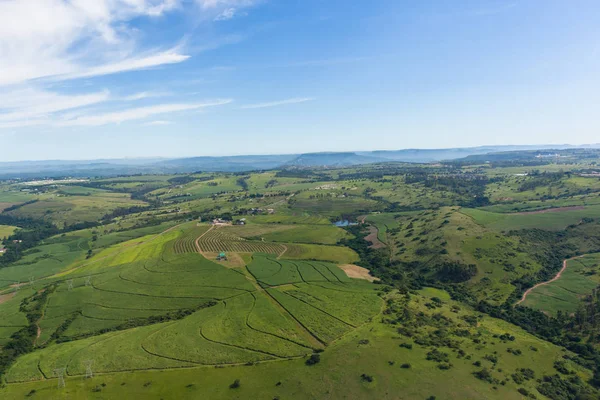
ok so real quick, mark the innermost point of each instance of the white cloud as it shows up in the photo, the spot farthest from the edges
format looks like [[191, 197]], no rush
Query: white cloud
[[89, 119], [143, 95], [227, 14], [212, 4], [137, 113], [278, 103], [28, 103], [76, 38], [158, 123]]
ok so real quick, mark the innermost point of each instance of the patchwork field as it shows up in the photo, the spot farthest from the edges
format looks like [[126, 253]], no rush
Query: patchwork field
[[163, 307], [125, 276]]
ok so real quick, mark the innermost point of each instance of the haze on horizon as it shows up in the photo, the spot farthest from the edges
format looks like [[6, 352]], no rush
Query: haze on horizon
[[91, 79]]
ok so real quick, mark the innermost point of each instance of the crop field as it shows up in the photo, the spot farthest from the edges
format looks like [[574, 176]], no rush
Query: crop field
[[580, 279], [45, 261], [272, 272], [301, 218], [142, 295], [187, 242], [335, 205], [316, 234], [74, 209], [98, 310], [10, 197], [219, 240]]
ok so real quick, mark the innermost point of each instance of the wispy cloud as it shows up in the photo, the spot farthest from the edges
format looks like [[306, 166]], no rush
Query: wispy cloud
[[28, 103], [277, 103], [143, 95], [158, 123], [80, 39], [90, 119], [227, 14], [138, 113]]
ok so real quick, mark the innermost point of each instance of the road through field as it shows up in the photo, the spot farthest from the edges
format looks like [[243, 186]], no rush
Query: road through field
[[557, 277]]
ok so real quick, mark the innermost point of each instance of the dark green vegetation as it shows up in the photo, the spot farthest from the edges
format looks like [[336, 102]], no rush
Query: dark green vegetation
[[130, 273]]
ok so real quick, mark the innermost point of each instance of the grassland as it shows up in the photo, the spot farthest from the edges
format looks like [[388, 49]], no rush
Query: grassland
[[369, 350], [146, 286], [549, 219], [579, 280], [6, 230]]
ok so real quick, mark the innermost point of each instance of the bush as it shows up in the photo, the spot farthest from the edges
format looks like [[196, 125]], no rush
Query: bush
[[313, 359], [406, 366], [484, 375], [235, 384], [406, 345]]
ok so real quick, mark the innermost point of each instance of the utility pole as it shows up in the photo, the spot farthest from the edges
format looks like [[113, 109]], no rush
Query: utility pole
[[88, 369], [60, 374]]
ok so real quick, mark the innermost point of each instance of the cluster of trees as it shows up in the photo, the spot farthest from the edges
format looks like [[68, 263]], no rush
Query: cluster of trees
[[243, 182], [22, 341], [470, 187], [123, 211], [31, 233], [538, 179]]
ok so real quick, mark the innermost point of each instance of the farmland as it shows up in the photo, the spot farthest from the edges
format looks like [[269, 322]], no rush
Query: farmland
[[132, 266], [579, 279]]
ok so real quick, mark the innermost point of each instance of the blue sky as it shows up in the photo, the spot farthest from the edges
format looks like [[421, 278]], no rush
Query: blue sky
[[84, 79]]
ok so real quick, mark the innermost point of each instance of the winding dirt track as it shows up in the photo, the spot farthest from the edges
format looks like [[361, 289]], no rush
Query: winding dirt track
[[557, 277]]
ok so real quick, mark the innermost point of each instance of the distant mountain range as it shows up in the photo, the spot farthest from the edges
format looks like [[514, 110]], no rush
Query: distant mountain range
[[91, 168]]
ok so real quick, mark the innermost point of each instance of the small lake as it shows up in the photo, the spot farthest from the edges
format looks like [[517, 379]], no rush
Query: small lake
[[345, 223]]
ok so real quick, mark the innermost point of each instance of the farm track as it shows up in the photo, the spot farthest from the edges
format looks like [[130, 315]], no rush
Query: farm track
[[238, 347], [268, 333], [557, 277], [282, 310], [260, 291], [321, 310]]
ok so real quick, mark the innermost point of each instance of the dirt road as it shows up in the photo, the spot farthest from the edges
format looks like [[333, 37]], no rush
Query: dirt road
[[557, 277]]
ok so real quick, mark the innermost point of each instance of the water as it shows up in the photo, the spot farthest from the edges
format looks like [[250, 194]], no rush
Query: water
[[344, 223]]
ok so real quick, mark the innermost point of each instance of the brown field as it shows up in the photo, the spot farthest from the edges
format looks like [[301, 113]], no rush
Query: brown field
[[356, 272]]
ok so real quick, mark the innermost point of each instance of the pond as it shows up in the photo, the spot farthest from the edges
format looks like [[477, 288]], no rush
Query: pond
[[344, 223]]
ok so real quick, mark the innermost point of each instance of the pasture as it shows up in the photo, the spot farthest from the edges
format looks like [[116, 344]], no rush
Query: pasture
[[552, 219], [565, 294], [6, 230], [372, 349]]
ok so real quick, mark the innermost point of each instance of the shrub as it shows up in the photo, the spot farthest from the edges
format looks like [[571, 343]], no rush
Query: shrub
[[235, 384], [366, 378], [484, 375], [406, 366], [313, 359]]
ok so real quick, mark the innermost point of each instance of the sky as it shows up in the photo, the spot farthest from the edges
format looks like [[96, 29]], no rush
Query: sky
[[88, 79]]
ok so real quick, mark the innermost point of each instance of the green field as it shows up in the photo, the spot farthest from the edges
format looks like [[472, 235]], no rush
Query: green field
[[552, 220], [6, 230], [126, 273], [565, 294]]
